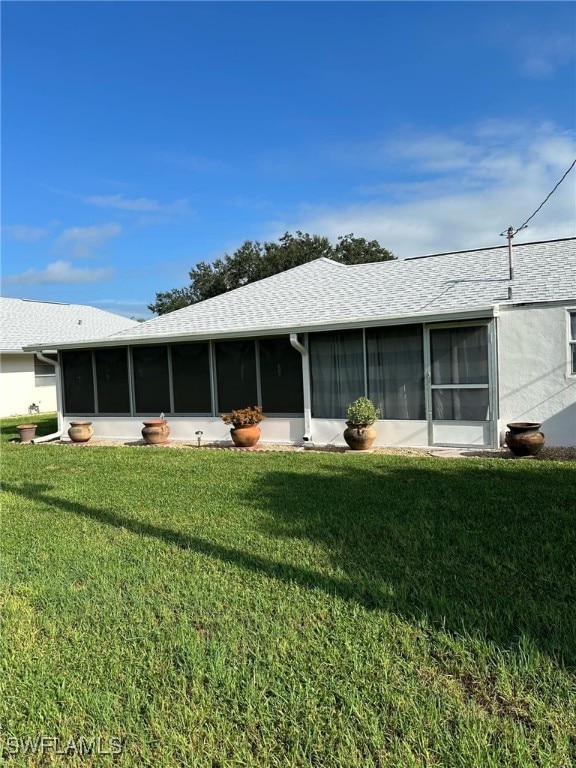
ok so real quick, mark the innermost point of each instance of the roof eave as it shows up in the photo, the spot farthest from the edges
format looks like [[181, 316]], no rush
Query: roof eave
[[274, 330]]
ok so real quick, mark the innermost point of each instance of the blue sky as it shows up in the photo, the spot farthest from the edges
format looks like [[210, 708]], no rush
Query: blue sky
[[141, 138]]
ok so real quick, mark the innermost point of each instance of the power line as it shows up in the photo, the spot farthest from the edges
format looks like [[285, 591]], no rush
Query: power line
[[511, 231]]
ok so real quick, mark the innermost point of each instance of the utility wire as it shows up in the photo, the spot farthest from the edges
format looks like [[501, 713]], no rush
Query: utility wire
[[515, 231]]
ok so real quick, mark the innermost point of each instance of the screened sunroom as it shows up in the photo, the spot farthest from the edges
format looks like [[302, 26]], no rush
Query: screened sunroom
[[432, 383]]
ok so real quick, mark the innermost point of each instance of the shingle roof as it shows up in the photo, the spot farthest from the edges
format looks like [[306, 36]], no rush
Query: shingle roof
[[24, 322], [324, 292]]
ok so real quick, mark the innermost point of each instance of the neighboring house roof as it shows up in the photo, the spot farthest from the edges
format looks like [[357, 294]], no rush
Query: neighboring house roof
[[323, 292], [25, 322]]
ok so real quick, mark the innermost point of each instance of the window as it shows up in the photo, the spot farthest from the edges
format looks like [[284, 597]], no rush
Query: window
[[572, 357], [112, 380], [337, 371], [78, 380], [151, 385], [280, 376], [191, 378], [236, 374], [395, 358], [44, 369]]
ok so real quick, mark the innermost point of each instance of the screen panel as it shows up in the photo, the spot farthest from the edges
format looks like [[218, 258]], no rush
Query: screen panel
[[280, 377], [191, 378], [112, 382], [78, 381], [151, 387], [236, 374]]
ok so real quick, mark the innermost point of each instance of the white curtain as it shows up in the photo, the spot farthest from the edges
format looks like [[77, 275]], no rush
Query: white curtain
[[337, 368], [396, 371], [460, 356]]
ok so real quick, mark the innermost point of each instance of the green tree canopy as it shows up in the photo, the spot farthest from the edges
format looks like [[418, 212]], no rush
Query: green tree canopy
[[254, 260]]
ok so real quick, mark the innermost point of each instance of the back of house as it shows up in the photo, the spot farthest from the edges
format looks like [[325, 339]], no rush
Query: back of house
[[450, 347]]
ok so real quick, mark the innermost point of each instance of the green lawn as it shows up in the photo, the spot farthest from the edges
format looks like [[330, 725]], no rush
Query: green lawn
[[241, 609]]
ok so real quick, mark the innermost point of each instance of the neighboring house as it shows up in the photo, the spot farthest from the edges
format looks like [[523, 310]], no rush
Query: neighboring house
[[27, 382], [449, 347]]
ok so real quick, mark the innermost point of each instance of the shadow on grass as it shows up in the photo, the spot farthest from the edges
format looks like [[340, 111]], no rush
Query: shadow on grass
[[40, 493], [472, 547]]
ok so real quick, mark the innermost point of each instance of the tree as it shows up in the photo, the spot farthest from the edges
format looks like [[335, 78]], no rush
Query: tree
[[254, 260]]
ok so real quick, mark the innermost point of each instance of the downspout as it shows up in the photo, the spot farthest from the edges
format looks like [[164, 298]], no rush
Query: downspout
[[53, 435], [307, 437]]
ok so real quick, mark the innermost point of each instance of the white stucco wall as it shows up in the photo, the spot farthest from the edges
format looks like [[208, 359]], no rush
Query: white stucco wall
[[534, 379], [388, 433], [274, 430], [19, 387], [282, 430]]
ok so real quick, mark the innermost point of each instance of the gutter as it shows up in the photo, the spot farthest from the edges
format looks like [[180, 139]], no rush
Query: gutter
[[307, 437], [54, 435]]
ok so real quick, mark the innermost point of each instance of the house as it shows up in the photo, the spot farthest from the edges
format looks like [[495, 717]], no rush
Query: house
[[28, 383], [451, 347]]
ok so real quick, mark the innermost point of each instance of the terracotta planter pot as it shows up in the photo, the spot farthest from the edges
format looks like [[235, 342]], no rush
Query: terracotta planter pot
[[359, 436], [27, 432], [80, 431], [155, 431], [245, 436], [524, 438]]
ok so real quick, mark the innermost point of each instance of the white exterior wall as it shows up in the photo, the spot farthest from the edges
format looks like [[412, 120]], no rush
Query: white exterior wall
[[388, 433], [282, 430], [19, 387], [274, 430], [534, 379]]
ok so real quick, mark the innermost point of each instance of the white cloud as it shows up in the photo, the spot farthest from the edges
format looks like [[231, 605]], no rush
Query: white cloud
[[540, 57], [60, 272], [81, 241], [192, 163], [24, 233], [127, 307], [139, 204], [433, 202]]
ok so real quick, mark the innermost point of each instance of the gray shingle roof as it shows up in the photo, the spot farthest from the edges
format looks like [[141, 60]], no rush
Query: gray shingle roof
[[24, 322], [324, 292]]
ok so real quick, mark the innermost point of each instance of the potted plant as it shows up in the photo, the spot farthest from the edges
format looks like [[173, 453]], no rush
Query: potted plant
[[245, 431], [359, 433], [80, 431], [156, 431], [27, 432], [524, 438]]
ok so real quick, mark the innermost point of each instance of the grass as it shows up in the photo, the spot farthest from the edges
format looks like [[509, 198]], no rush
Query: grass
[[235, 609]]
